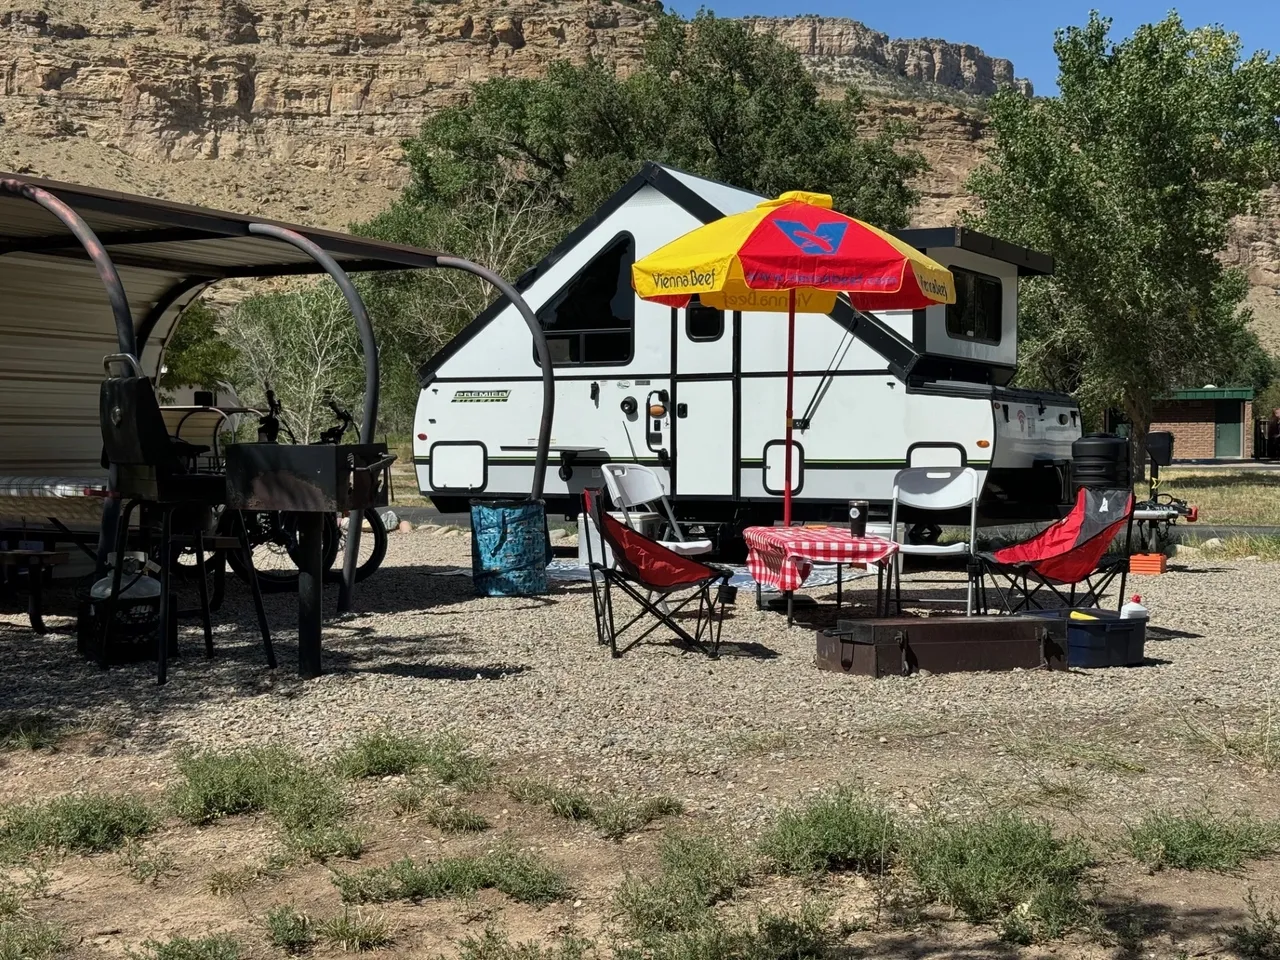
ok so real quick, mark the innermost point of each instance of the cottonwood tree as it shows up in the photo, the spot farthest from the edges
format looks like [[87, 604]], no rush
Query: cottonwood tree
[[305, 345], [197, 354], [1130, 178]]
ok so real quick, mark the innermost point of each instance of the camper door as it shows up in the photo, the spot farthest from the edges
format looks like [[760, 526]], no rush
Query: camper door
[[705, 423]]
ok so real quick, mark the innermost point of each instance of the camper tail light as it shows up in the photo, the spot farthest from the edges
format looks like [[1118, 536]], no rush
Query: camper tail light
[[984, 444], [422, 436]]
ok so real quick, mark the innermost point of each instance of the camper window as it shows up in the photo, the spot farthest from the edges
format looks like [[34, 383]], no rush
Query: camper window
[[591, 320], [703, 323], [976, 314]]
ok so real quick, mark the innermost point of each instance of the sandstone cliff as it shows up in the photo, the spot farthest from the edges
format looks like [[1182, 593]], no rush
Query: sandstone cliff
[[296, 108]]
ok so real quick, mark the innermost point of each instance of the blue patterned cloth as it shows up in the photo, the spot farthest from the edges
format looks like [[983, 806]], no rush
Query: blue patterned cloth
[[510, 548]]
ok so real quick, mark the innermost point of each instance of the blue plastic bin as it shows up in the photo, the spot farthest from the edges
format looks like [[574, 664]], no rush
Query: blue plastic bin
[[510, 548], [1107, 641]]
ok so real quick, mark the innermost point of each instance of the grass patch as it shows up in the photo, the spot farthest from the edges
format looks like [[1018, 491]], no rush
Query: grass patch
[[496, 945], [76, 823], [226, 883], [410, 797], [697, 871], [1258, 938], [25, 938], [1244, 497], [1248, 545], [304, 801], [355, 931], [454, 819], [445, 757], [33, 731], [614, 816], [525, 877], [1201, 840], [146, 865], [840, 830], [1256, 745], [1003, 869], [218, 946], [289, 930], [771, 936]]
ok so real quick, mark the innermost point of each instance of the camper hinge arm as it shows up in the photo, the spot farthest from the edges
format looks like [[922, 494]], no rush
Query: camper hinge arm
[[544, 360]]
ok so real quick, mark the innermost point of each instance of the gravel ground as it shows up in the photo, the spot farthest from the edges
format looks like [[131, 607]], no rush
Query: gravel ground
[[525, 681]]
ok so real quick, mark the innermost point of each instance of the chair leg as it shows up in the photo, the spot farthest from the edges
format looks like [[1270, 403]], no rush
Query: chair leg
[[166, 601], [35, 576], [255, 589], [204, 596]]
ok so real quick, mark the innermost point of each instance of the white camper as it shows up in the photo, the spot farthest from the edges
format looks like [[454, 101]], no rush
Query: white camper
[[699, 394]]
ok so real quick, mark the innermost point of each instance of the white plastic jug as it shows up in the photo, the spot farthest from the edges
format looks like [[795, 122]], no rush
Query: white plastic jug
[[1134, 610]]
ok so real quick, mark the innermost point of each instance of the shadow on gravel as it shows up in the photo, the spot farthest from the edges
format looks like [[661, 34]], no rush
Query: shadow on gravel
[[457, 672], [1133, 924], [1165, 633]]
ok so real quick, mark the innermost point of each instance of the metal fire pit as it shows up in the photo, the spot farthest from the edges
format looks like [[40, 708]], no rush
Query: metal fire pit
[[309, 481], [312, 477]]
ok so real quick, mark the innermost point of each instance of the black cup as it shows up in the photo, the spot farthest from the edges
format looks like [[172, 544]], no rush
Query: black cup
[[858, 517]]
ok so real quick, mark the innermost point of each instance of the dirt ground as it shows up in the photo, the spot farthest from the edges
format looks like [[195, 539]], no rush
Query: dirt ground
[[734, 739]]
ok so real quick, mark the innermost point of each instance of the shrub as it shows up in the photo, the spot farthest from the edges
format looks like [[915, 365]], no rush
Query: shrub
[[697, 870], [614, 816], [382, 755], [1200, 841], [214, 947], [1004, 869], [840, 830], [454, 819], [289, 930], [355, 931], [1258, 938], [522, 876], [76, 823]]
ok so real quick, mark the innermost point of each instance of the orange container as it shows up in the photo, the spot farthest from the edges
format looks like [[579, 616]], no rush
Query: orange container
[[1150, 564]]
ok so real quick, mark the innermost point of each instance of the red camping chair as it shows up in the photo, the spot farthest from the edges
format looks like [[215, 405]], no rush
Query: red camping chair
[[1067, 553], [650, 574]]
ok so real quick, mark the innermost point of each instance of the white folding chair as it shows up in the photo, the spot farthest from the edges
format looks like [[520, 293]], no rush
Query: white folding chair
[[633, 487], [935, 489]]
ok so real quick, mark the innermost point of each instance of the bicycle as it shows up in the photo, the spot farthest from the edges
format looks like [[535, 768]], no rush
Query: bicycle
[[273, 535]]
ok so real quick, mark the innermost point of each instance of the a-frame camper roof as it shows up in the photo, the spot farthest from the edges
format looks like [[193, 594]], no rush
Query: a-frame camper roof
[[709, 200]]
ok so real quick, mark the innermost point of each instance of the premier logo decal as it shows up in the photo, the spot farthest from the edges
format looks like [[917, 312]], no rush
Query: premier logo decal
[[821, 241], [481, 396]]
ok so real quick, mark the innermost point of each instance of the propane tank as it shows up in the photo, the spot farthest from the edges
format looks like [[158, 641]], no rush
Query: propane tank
[[1134, 610]]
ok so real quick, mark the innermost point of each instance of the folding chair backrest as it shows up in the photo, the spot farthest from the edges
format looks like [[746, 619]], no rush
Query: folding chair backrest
[[936, 488], [1069, 550], [631, 485], [646, 561]]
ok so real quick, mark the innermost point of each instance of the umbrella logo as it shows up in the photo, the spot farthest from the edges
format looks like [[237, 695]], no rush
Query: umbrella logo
[[820, 241]]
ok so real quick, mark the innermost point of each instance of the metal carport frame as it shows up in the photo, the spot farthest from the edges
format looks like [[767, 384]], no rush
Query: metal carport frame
[[154, 257]]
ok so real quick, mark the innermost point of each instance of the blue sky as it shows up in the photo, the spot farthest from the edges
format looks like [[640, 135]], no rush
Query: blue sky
[[1019, 30]]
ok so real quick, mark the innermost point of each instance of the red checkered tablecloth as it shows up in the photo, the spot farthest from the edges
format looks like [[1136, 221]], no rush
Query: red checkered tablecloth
[[783, 557]]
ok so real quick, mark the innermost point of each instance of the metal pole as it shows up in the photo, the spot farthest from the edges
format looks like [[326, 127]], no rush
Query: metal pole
[[544, 359], [310, 592], [120, 311], [369, 344], [791, 376]]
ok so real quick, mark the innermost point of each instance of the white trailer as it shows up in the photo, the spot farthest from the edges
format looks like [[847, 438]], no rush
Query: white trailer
[[874, 392]]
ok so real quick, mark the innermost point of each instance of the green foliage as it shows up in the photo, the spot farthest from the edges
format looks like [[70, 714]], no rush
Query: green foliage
[[493, 944], [303, 800], [76, 823], [146, 865], [1002, 869], [452, 818], [525, 877], [219, 946], [840, 830], [31, 731], [26, 938], [196, 353], [1130, 178], [1258, 938], [697, 871], [382, 755], [355, 931], [614, 816], [1200, 840], [289, 930]]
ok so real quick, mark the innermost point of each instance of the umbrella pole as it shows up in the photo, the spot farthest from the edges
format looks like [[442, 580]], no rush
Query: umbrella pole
[[791, 370]]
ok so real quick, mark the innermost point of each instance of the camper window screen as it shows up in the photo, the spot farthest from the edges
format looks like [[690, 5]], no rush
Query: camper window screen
[[976, 314], [703, 323], [592, 319]]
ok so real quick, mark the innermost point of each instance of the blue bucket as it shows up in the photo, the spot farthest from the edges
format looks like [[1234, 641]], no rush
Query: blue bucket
[[510, 548]]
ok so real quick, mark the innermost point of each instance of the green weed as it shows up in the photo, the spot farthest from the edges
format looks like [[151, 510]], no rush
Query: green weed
[[289, 930], [697, 871], [1258, 938], [355, 931], [1201, 840], [76, 823], [525, 877], [1003, 869], [382, 755], [454, 819], [325, 843], [614, 816], [840, 830], [25, 938], [218, 946], [410, 796], [146, 865], [495, 945]]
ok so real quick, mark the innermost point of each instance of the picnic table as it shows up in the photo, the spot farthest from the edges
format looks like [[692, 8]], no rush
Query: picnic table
[[783, 557]]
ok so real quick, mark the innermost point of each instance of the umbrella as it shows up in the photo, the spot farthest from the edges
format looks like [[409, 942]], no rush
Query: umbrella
[[793, 252]]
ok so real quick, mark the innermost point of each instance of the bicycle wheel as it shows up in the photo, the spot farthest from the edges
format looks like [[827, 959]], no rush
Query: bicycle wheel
[[273, 541], [373, 546]]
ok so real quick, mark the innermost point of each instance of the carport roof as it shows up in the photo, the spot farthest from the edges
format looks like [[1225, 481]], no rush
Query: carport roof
[[185, 242]]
